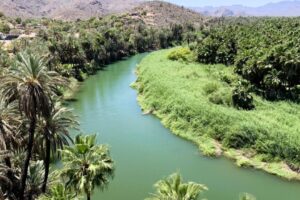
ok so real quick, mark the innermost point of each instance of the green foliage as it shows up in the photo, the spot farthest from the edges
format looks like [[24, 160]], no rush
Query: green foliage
[[30, 85], [87, 46], [173, 188], [194, 101], [221, 97], [86, 165], [211, 87], [35, 177], [217, 47], [4, 27], [18, 20], [181, 54], [265, 52], [59, 192], [241, 98], [5, 60], [243, 136]]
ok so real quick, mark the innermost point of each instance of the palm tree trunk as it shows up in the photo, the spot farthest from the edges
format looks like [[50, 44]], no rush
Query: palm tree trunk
[[46, 161], [88, 196], [7, 161], [28, 157]]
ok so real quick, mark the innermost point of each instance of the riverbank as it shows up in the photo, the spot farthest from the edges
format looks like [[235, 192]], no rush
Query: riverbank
[[192, 100], [70, 92]]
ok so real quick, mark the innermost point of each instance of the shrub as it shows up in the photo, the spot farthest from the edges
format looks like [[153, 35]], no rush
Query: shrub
[[242, 99], [181, 54], [217, 47], [228, 78], [295, 166], [144, 13], [18, 20], [4, 28], [221, 97], [241, 137], [211, 87]]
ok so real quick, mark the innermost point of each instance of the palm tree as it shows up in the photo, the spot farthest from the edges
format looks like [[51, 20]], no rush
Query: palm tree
[[172, 188], [56, 135], [59, 192], [9, 121], [86, 165], [34, 180], [8, 178], [30, 84]]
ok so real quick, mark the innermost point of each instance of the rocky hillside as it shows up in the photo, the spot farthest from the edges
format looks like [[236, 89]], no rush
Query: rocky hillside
[[162, 13], [64, 9]]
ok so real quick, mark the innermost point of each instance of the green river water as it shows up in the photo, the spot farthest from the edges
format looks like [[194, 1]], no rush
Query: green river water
[[144, 151]]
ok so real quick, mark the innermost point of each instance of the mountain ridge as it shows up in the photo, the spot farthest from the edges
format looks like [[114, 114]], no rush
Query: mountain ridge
[[64, 9], [283, 8]]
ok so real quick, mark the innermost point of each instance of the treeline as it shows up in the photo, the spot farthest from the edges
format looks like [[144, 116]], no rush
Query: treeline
[[264, 51], [75, 49]]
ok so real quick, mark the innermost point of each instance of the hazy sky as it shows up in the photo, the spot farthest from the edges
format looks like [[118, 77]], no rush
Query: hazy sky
[[222, 2]]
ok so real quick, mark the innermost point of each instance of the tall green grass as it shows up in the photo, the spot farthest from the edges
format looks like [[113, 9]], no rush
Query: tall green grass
[[194, 101]]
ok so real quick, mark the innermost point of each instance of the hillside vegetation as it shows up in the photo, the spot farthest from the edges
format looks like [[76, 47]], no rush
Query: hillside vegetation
[[195, 101]]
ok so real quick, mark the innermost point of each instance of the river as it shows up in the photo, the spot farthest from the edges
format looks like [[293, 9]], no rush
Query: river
[[144, 151]]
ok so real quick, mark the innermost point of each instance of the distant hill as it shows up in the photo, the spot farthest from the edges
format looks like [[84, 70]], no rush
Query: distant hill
[[284, 8], [64, 9], [160, 13]]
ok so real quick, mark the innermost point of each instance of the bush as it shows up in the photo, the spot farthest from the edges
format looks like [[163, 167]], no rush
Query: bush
[[181, 54], [221, 97], [217, 47], [211, 87], [144, 13], [228, 78], [18, 20], [295, 166], [4, 28], [242, 99], [242, 137]]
